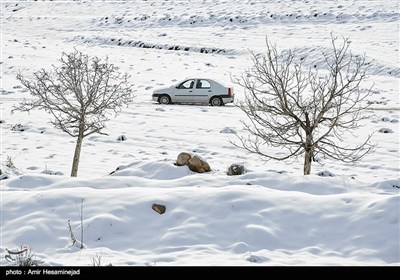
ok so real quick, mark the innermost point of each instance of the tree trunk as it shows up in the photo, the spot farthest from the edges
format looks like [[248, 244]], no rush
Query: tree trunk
[[307, 162], [75, 163], [77, 154], [308, 154]]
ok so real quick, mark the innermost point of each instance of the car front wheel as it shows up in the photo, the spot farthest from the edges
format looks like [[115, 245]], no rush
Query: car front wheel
[[164, 99], [216, 101]]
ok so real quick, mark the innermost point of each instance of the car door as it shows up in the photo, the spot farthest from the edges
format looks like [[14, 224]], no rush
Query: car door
[[202, 91], [184, 91]]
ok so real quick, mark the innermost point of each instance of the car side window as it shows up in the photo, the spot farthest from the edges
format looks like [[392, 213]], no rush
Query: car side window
[[186, 84], [203, 84]]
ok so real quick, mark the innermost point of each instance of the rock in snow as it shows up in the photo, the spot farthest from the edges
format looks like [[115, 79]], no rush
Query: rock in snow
[[195, 163], [160, 209]]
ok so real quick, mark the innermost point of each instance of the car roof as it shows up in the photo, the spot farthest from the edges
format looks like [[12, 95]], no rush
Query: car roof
[[197, 78]]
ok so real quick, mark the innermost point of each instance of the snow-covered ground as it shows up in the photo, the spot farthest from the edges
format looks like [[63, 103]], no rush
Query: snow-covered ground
[[271, 215]]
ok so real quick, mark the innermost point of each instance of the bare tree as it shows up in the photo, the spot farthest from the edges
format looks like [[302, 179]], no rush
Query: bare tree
[[80, 94], [304, 112]]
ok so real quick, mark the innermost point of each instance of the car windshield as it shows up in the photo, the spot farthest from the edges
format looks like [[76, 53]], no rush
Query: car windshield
[[180, 82]]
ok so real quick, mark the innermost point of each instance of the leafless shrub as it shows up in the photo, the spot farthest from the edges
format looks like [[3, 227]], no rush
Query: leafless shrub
[[72, 235], [21, 257], [9, 162]]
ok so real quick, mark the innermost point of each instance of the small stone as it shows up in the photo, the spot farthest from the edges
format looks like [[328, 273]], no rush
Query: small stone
[[385, 130], [160, 209], [121, 138], [235, 169], [326, 174], [228, 130]]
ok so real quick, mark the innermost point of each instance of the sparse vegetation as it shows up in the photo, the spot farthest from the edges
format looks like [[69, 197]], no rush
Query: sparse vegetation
[[9, 162], [96, 261], [73, 238], [22, 257]]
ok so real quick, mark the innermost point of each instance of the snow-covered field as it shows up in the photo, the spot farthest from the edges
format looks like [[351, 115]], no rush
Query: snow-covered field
[[271, 215]]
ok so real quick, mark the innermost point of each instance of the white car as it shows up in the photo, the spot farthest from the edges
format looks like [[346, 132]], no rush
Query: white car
[[205, 91]]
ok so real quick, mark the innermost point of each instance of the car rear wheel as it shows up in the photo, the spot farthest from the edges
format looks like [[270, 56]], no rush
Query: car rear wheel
[[164, 99], [216, 101]]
